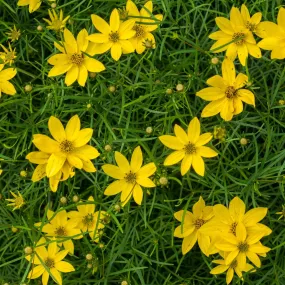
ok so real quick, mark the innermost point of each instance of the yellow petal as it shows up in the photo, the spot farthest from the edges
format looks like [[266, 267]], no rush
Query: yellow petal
[[60, 255], [127, 46], [240, 231], [56, 129], [242, 54], [246, 96], [225, 25], [218, 35], [281, 18], [186, 164], [198, 208], [198, 165], [245, 13], [229, 276], [229, 72], [241, 80], [86, 152], [181, 134], [146, 10], [68, 245], [132, 9], [277, 53], [100, 24], [82, 41], [38, 157], [221, 45], [115, 20], [125, 28], [171, 142], [253, 257], [36, 272], [213, 108], [88, 166], [83, 137], [122, 162], [71, 75], [174, 157], [136, 160], [219, 269], [52, 248], [8, 74], [70, 40], [205, 151], [127, 193], [56, 276], [113, 171], [145, 182], [75, 161], [254, 216], [115, 187], [203, 139], [64, 266], [253, 50], [138, 194], [186, 215], [231, 52], [98, 38], [116, 51], [55, 163], [235, 17], [237, 209], [217, 81], [59, 59], [147, 170], [54, 181], [256, 18], [45, 144], [82, 75], [204, 243], [189, 242], [59, 69], [256, 248], [93, 65], [72, 128], [39, 173], [194, 130]]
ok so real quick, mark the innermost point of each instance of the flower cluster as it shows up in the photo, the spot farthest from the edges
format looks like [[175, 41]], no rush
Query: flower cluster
[[231, 232]]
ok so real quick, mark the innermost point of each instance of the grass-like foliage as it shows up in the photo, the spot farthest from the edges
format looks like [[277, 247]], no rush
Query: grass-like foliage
[[156, 89]]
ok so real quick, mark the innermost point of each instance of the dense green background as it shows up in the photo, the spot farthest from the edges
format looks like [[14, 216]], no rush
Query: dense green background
[[139, 243]]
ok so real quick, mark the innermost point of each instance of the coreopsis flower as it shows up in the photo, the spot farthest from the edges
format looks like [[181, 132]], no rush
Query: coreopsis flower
[[52, 265], [131, 176], [233, 267], [56, 22], [14, 34], [73, 59], [17, 202], [251, 23], [242, 246], [68, 149], [33, 4], [189, 147], [62, 229], [41, 158], [226, 93], [227, 219], [115, 36], [8, 56], [5, 75], [233, 37], [274, 36], [146, 23], [191, 224], [87, 219]]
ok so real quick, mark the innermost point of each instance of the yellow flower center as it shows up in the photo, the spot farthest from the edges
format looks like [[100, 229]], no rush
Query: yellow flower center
[[49, 262], [140, 31], [131, 177], [56, 24], [250, 26], [234, 264], [190, 148], [231, 92], [66, 146], [243, 247], [77, 58], [199, 223], [239, 38], [114, 37], [88, 220], [60, 231], [233, 228], [19, 201]]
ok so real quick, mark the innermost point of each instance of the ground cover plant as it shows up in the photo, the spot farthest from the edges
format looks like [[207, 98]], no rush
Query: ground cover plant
[[142, 142]]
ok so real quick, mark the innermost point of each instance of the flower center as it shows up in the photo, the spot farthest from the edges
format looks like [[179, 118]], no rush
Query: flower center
[[88, 220], [114, 37], [131, 177], [18, 201], [60, 231], [250, 26], [199, 223], [231, 92], [140, 31], [233, 228], [66, 146], [234, 264], [190, 148], [77, 58], [238, 38], [49, 262], [243, 247]]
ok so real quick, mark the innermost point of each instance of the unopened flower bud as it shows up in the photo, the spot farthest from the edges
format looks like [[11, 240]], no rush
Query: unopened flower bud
[[149, 130], [89, 256], [88, 106], [243, 141], [163, 181], [101, 245], [112, 89], [117, 208], [28, 250], [169, 91], [89, 265], [75, 198], [23, 173], [28, 88], [39, 28], [124, 282], [108, 147], [63, 200], [53, 5], [215, 60], [179, 87], [281, 102], [14, 229], [92, 74]]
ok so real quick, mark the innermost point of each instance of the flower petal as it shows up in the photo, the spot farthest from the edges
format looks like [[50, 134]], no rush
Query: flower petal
[[74, 161], [225, 25], [93, 65], [254, 216], [145, 182], [72, 128], [38, 157], [246, 96], [127, 193], [147, 170], [82, 75], [36, 272], [83, 137], [241, 80], [56, 129], [136, 160], [174, 157], [194, 130], [213, 108], [55, 163], [70, 41], [100, 24], [186, 164], [205, 151], [237, 209], [181, 134], [39, 173], [115, 20], [113, 171], [219, 269], [122, 162], [115, 188], [116, 51], [189, 242], [198, 165], [203, 139], [82, 41], [71, 75], [56, 276], [171, 142], [229, 72], [138, 194], [64, 266], [253, 257]]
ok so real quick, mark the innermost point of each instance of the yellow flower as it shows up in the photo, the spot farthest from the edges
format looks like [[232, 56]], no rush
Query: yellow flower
[[70, 145], [14, 34], [5, 75], [242, 245], [225, 93], [33, 4], [62, 229], [191, 224], [8, 56], [73, 60], [274, 36], [17, 202], [56, 22], [227, 219], [48, 262], [251, 23], [189, 147], [131, 176], [115, 36], [235, 38], [87, 219], [234, 266], [146, 23]]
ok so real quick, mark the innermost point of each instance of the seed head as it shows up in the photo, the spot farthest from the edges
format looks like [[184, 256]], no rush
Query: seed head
[[163, 181], [149, 130], [23, 173], [89, 256], [179, 87], [28, 250], [63, 200], [112, 88], [108, 147], [28, 88], [243, 141], [75, 198], [215, 60]]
